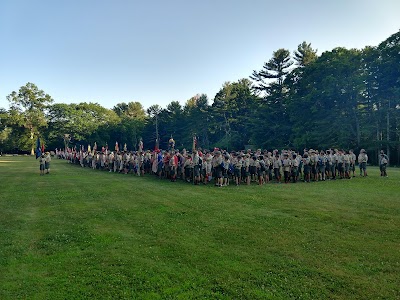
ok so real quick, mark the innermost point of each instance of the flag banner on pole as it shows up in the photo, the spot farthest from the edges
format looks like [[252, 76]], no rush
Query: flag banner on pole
[[140, 147], [116, 147], [194, 143], [156, 146], [38, 150]]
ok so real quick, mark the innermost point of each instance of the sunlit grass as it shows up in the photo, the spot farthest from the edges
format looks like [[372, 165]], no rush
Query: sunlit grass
[[79, 233]]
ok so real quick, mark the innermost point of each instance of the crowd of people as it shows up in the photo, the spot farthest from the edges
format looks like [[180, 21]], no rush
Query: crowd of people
[[224, 168]]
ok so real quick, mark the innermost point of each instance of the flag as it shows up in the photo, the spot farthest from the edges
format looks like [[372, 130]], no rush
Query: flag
[[38, 151], [140, 145], [194, 143], [125, 148], [156, 146], [116, 146], [43, 148], [89, 149], [95, 147]]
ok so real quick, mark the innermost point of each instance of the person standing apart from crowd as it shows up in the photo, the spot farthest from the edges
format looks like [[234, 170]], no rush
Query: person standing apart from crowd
[[362, 162], [383, 161]]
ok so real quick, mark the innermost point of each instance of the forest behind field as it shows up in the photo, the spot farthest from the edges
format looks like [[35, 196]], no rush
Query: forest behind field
[[343, 98]]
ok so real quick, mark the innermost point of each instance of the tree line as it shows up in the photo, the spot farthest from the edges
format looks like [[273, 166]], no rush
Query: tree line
[[343, 98]]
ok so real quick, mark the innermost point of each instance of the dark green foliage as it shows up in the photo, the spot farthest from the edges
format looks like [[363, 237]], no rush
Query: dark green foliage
[[344, 98]]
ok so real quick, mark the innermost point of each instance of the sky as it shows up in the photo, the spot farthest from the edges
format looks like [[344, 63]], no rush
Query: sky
[[157, 51]]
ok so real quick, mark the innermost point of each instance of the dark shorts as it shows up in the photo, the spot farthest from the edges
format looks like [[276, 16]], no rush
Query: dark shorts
[[47, 165], [172, 171], [363, 166], [225, 173], [41, 167], [307, 169], [277, 173], [294, 171], [340, 167], [196, 171], [314, 169], [237, 172], [188, 171], [218, 172], [253, 170], [383, 167]]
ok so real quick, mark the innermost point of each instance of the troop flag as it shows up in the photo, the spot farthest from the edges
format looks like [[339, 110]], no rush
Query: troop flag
[[38, 150], [156, 145], [116, 147], [125, 147], [140, 145], [194, 143]]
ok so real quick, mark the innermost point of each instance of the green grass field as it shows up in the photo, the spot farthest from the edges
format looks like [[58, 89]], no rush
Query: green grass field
[[79, 234]]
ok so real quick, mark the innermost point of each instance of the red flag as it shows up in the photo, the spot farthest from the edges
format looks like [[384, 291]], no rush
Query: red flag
[[42, 148]]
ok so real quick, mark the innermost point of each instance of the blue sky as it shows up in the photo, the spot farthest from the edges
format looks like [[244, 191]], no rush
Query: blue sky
[[158, 51]]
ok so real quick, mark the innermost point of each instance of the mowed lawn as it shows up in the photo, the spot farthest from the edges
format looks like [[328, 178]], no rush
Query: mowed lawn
[[84, 234]]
